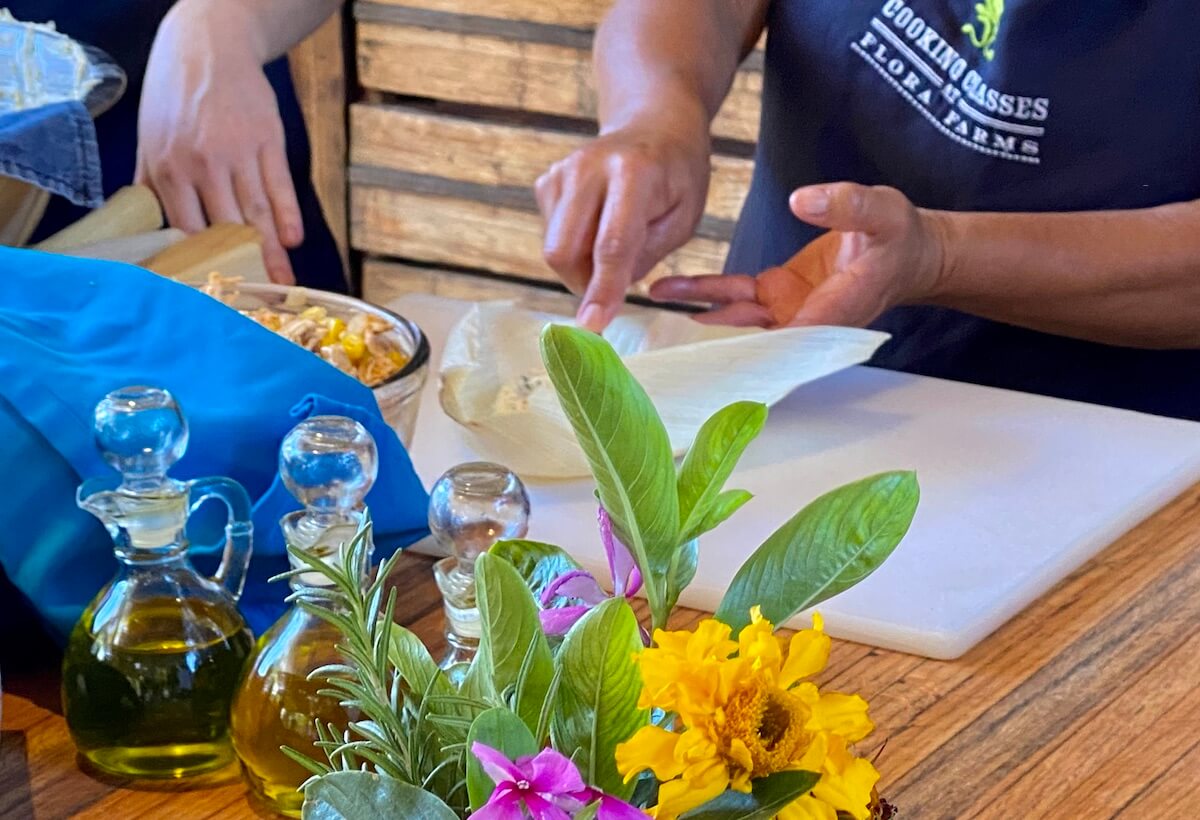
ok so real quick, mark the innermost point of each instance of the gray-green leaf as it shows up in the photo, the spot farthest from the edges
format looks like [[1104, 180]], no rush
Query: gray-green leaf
[[501, 729], [538, 563], [597, 706], [769, 796], [626, 445], [510, 625], [828, 547], [353, 795], [710, 462]]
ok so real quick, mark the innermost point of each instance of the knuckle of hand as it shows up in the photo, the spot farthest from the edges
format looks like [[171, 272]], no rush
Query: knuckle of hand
[[613, 249], [559, 257]]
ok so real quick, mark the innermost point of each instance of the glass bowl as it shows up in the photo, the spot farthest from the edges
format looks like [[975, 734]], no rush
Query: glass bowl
[[400, 395]]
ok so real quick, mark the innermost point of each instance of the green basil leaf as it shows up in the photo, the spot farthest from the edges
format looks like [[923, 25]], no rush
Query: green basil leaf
[[510, 627], [597, 705], [828, 547], [538, 563], [710, 462], [501, 729], [627, 447], [724, 506], [588, 812], [414, 663], [768, 797], [355, 794], [683, 570]]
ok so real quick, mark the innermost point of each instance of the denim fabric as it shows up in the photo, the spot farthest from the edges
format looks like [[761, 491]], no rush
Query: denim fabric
[[53, 147]]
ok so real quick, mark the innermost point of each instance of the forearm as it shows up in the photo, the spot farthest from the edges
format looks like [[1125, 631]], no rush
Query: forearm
[[656, 58], [1118, 277], [267, 28]]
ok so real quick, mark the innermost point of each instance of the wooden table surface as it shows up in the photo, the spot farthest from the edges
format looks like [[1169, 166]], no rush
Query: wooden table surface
[[1087, 705]]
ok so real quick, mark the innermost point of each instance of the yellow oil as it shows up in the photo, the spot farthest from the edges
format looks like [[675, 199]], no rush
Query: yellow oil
[[276, 705], [142, 700]]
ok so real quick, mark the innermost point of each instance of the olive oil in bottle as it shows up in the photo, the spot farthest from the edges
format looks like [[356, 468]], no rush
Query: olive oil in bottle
[[152, 665], [277, 705], [328, 463], [152, 704]]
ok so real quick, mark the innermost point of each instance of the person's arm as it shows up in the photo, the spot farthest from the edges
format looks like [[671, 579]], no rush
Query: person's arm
[[210, 140], [615, 208], [1118, 277]]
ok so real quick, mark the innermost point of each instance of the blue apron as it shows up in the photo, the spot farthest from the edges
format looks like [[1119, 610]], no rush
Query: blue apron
[[985, 105], [125, 30]]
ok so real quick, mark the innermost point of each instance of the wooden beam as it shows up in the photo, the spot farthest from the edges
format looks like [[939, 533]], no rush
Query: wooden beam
[[319, 73]]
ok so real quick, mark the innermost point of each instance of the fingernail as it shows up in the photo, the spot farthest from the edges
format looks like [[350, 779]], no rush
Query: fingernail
[[811, 201], [591, 317]]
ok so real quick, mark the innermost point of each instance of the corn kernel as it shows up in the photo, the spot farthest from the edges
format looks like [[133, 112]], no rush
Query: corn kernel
[[334, 330], [316, 313], [397, 358], [354, 346]]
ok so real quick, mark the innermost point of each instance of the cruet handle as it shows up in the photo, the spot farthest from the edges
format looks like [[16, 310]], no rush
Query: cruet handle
[[239, 531]]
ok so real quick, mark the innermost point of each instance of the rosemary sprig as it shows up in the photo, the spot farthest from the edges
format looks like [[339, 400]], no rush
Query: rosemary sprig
[[406, 730]]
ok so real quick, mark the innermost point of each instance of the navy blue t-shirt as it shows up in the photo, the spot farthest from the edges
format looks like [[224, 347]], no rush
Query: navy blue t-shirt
[[1029, 105]]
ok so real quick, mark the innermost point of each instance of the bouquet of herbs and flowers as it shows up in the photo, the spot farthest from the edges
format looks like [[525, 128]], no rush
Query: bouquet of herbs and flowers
[[572, 707]]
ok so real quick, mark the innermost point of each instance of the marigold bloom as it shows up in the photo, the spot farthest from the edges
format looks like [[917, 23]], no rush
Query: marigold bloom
[[743, 710]]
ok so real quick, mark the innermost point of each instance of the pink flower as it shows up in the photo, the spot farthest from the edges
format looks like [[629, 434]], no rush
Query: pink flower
[[580, 585], [546, 786]]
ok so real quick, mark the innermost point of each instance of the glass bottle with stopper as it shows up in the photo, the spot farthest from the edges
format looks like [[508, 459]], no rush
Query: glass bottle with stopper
[[471, 507], [151, 667], [328, 463]]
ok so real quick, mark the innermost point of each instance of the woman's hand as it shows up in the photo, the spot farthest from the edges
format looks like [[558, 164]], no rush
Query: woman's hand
[[616, 207], [210, 139], [880, 252]]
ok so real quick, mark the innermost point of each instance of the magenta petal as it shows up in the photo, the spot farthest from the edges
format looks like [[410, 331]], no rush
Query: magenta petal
[[559, 621], [505, 807], [612, 808], [551, 772], [542, 809], [620, 561], [578, 584], [497, 766]]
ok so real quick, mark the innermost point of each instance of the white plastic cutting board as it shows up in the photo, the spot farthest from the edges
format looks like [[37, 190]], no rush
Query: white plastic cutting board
[[1017, 491]]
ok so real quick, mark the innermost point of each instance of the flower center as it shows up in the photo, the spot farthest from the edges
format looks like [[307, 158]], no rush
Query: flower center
[[523, 785], [770, 723]]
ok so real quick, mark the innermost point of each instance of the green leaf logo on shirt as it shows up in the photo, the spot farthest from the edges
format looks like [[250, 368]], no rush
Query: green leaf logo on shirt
[[988, 14]]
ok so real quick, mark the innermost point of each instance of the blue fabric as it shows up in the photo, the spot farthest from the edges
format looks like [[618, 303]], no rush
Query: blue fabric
[[53, 147], [70, 331], [1076, 105]]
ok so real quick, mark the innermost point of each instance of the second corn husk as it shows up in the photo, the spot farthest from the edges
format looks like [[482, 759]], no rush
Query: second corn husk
[[494, 385]]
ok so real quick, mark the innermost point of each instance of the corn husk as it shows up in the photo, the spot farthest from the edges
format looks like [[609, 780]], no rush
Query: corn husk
[[494, 385]]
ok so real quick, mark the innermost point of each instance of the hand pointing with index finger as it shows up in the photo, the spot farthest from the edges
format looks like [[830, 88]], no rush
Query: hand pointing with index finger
[[616, 207]]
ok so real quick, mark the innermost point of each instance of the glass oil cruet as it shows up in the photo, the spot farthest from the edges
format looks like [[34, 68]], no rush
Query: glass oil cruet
[[151, 667], [471, 507], [329, 464]]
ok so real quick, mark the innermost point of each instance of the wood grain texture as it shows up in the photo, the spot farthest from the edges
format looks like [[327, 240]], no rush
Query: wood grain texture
[[574, 13], [319, 73], [513, 74], [492, 238], [1084, 706], [468, 150], [384, 282]]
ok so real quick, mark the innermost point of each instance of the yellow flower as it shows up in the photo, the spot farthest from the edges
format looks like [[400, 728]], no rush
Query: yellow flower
[[743, 710]]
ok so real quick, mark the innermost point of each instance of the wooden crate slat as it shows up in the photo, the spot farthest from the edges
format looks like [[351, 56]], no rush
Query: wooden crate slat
[[465, 233], [385, 281], [495, 71], [574, 13], [475, 151]]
